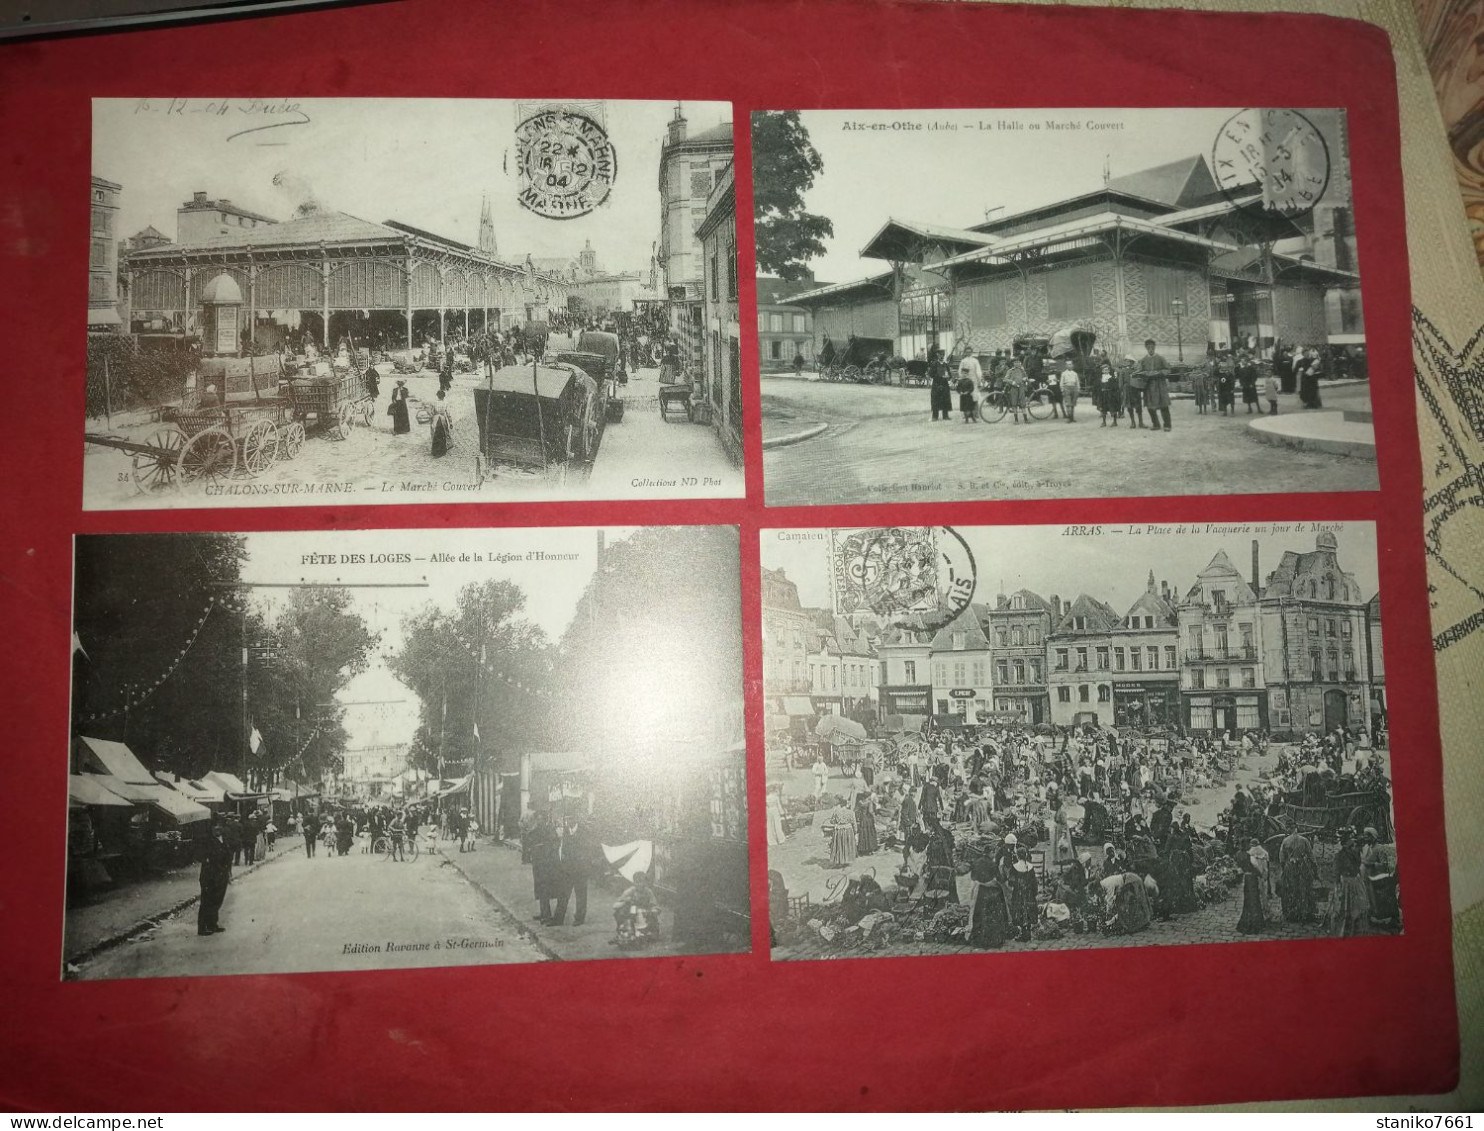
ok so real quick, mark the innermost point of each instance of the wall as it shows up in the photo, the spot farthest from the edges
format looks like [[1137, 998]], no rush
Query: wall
[[1299, 315], [876, 318], [1026, 309]]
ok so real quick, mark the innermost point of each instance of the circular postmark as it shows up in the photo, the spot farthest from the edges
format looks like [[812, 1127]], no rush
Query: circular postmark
[[1271, 162], [915, 577], [566, 163]]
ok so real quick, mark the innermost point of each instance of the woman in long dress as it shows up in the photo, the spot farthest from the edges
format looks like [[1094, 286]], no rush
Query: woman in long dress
[[841, 830], [1350, 906], [1130, 903], [441, 426], [1023, 892], [775, 815], [1253, 917], [1062, 851], [866, 841], [398, 409], [989, 906], [940, 855], [1297, 876]]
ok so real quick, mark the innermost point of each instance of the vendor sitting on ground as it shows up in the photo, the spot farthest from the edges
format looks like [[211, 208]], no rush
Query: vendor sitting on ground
[[636, 910]]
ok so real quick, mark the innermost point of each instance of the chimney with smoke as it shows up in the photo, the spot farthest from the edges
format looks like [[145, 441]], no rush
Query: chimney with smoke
[[300, 193]]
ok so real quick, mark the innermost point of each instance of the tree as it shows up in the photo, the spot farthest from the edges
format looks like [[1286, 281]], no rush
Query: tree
[[784, 165], [160, 666], [300, 662], [482, 664]]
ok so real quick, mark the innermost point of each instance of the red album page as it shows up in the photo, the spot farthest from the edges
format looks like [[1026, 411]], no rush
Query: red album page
[[860, 721]]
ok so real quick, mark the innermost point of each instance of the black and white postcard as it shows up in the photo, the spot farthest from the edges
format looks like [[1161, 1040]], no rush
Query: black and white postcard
[[356, 301], [1049, 738], [386, 749], [1026, 304]]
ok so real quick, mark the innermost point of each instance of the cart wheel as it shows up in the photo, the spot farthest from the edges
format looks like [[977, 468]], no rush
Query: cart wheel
[[851, 373], [367, 408], [290, 440], [569, 453], [259, 449], [345, 417], [209, 455], [159, 470]]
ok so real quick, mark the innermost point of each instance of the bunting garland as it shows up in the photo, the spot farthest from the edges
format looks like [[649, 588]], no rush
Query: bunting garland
[[135, 694], [490, 669]]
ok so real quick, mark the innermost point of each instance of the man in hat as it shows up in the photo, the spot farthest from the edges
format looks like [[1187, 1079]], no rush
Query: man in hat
[[216, 874], [1156, 372]]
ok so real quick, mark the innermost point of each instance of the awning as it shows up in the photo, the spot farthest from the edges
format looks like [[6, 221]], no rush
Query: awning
[[180, 808], [104, 316], [116, 759], [457, 785], [798, 705], [229, 783], [85, 789], [197, 792], [839, 729]]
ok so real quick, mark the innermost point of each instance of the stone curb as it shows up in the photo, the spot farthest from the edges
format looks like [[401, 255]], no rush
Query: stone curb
[[153, 920], [515, 921], [1354, 449], [794, 437]]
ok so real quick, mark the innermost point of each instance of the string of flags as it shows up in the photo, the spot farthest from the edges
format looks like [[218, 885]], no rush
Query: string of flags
[[479, 657], [135, 694]]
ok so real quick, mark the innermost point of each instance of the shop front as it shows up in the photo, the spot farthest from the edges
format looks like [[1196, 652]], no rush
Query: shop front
[[1146, 705], [1220, 712], [1032, 707], [907, 699]]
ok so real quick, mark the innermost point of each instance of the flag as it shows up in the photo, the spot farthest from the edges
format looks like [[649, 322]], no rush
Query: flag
[[77, 647], [476, 731], [255, 740], [628, 860]]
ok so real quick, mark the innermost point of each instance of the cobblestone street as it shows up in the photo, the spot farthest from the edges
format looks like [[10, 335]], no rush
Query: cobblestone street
[[881, 446]]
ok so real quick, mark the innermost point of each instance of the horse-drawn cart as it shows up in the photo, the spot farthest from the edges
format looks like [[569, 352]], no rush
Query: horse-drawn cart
[[545, 418], [1365, 809], [331, 405]]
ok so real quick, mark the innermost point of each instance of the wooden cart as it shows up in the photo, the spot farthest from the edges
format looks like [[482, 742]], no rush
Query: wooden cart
[[546, 418], [330, 405]]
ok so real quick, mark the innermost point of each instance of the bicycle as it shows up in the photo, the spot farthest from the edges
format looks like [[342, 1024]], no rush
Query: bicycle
[[385, 847], [994, 403]]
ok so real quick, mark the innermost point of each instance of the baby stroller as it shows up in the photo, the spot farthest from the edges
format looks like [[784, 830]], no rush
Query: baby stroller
[[636, 916]]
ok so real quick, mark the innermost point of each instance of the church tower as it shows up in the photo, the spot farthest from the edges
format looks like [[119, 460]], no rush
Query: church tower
[[487, 230]]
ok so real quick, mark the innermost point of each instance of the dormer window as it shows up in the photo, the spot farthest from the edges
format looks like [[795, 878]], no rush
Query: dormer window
[[958, 641]]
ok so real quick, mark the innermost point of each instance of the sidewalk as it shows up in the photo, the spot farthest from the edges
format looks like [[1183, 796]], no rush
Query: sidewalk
[[120, 913], [495, 869]]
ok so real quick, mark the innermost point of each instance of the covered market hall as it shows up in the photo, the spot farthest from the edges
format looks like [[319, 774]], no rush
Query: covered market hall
[[1163, 253], [327, 275]]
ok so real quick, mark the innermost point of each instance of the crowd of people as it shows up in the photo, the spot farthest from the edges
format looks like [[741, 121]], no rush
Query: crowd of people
[[1135, 388], [1092, 829]]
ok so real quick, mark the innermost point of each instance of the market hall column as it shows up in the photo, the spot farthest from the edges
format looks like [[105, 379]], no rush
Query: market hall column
[[185, 303], [324, 271], [409, 273]]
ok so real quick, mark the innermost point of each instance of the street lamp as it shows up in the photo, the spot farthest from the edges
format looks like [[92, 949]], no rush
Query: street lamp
[[1178, 306]]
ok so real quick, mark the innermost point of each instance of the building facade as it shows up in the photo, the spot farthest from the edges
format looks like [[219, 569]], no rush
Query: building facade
[[1316, 643], [962, 668], [1377, 661], [103, 258], [905, 658], [688, 169], [786, 629], [201, 218], [784, 331], [1144, 662], [721, 390], [1017, 628], [1080, 691], [1223, 685]]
